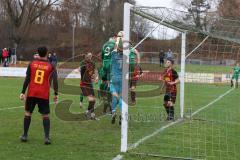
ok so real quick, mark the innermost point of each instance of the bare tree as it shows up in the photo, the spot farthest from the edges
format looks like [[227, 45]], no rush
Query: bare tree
[[197, 10], [96, 8], [113, 17], [229, 9], [23, 13], [141, 26]]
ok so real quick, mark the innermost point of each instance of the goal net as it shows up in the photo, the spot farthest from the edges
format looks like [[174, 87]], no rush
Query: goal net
[[206, 123]]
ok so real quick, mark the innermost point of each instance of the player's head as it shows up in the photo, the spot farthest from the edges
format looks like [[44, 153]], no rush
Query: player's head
[[88, 56], [35, 55], [120, 34], [169, 62], [42, 51]]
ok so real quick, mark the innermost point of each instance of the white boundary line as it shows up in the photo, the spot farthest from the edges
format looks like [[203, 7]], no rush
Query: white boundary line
[[118, 157], [3, 109], [211, 103], [135, 145], [10, 108]]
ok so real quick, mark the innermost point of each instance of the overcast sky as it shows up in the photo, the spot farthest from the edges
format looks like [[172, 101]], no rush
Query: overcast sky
[[156, 3], [161, 32], [170, 4]]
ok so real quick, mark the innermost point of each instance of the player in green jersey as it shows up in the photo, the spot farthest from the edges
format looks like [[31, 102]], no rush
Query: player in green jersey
[[106, 57], [106, 54], [236, 73]]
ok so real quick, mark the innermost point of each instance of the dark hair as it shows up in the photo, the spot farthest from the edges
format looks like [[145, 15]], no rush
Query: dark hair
[[42, 51], [171, 60]]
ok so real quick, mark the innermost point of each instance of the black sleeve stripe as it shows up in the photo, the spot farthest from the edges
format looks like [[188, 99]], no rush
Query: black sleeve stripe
[[27, 79], [55, 80], [175, 75]]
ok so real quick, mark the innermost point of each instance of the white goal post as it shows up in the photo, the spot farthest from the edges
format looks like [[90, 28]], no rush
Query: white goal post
[[126, 29]]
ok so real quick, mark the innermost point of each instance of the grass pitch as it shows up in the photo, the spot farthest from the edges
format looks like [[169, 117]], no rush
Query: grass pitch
[[212, 133]]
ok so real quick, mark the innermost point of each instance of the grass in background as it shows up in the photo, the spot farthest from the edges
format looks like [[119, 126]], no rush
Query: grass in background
[[194, 68], [212, 134]]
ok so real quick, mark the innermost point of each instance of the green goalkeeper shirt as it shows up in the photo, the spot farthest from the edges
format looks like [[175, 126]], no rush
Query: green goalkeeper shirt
[[236, 72]]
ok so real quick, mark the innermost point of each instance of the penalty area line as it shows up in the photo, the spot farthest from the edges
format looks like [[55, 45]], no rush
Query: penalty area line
[[10, 108], [211, 103], [135, 145], [118, 157], [3, 109], [178, 121]]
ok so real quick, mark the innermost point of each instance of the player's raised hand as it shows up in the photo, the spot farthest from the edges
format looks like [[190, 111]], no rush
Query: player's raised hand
[[171, 83], [55, 99], [22, 97]]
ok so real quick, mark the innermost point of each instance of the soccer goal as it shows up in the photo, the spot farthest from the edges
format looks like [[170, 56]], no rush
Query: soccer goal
[[206, 122]]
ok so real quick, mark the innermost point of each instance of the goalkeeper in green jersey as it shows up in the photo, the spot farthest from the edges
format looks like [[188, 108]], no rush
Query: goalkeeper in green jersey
[[106, 54], [236, 72]]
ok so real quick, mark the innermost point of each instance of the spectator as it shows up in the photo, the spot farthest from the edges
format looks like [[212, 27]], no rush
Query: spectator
[[9, 55], [54, 59], [5, 55], [50, 57], [169, 54], [161, 58], [1, 58], [13, 56]]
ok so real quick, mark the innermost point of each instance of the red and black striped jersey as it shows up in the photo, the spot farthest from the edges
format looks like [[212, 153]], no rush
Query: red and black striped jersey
[[170, 75], [87, 69], [38, 79]]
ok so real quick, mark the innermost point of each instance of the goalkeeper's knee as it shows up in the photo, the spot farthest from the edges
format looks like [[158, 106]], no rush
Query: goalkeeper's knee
[[120, 104], [114, 103]]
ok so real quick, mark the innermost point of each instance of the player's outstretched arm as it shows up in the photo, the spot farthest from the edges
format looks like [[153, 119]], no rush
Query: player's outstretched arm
[[138, 56], [117, 43], [26, 83], [174, 82], [55, 85]]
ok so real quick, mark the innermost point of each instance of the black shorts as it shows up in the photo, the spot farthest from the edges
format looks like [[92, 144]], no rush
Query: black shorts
[[133, 83], [170, 97], [87, 90], [161, 60], [43, 105]]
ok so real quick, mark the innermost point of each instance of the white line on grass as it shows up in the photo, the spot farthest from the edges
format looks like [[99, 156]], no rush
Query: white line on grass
[[135, 145], [10, 108], [3, 109], [118, 157], [211, 103]]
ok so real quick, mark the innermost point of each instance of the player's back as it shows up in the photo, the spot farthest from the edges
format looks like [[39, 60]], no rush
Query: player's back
[[40, 76], [87, 69], [107, 49]]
